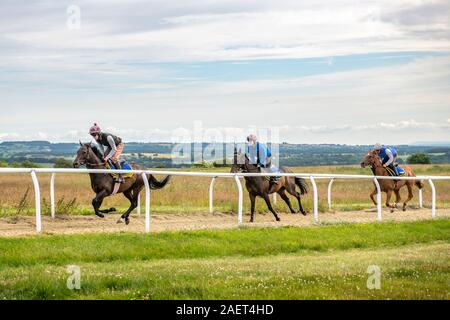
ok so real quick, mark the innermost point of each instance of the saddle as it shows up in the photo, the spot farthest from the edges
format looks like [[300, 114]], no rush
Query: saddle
[[400, 171], [271, 169], [125, 166]]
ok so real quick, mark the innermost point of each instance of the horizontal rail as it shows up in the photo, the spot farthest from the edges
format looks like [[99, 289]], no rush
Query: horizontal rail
[[237, 176], [220, 174]]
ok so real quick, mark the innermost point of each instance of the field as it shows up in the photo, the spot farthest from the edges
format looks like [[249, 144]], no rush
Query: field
[[294, 259], [327, 262]]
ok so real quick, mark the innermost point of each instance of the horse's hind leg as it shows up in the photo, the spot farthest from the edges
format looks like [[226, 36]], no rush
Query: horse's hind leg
[[297, 195], [133, 204], [269, 205], [286, 199], [108, 210]]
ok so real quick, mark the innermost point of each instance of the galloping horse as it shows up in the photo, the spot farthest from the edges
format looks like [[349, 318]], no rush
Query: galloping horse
[[259, 186], [373, 161], [103, 183]]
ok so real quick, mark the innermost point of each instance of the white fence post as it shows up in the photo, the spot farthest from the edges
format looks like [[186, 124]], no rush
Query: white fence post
[[329, 193], [274, 198], [211, 195], [37, 195], [241, 198], [433, 198], [138, 209], [420, 198], [147, 203], [377, 185], [316, 199], [52, 196]]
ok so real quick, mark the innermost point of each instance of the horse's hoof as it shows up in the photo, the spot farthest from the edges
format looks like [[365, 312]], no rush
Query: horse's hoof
[[121, 220], [100, 215], [304, 213], [127, 221], [278, 219], [392, 210], [251, 221]]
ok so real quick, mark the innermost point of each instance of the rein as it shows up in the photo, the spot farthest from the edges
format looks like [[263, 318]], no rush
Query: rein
[[95, 165]]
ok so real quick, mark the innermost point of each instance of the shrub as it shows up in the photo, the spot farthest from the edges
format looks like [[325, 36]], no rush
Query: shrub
[[62, 163], [419, 158]]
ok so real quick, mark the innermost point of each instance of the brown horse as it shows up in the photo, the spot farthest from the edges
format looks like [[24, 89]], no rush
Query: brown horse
[[259, 186], [373, 161], [103, 183]]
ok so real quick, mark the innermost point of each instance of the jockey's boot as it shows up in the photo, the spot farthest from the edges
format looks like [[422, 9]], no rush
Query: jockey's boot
[[394, 173], [119, 178]]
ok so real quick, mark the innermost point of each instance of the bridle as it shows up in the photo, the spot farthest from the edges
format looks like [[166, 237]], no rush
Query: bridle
[[97, 165]]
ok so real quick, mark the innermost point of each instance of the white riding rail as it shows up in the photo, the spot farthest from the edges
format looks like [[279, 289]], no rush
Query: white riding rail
[[214, 175]]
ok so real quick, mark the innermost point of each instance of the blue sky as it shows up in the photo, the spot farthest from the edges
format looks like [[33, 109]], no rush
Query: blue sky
[[316, 71]]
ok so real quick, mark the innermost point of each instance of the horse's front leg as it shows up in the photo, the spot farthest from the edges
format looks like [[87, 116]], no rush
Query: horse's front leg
[[97, 202], [372, 196], [133, 197], [269, 205], [388, 200], [252, 209]]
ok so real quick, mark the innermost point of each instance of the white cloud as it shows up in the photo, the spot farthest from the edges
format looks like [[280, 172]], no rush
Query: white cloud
[[221, 30]]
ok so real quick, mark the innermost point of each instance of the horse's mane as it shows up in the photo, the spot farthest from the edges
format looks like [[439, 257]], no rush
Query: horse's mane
[[247, 161], [95, 150]]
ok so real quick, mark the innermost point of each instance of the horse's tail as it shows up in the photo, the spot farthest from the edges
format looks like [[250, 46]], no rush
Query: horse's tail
[[301, 183], [155, 184], [419, 184]]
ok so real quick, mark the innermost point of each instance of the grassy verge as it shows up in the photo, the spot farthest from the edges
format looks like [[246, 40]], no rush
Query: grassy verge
[[325, 262]]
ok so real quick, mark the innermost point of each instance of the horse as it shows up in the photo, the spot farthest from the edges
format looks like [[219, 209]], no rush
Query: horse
[[388, 186], [259, 186], [103, 183]]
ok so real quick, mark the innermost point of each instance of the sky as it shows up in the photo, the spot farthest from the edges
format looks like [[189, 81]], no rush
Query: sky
[[348, 72]]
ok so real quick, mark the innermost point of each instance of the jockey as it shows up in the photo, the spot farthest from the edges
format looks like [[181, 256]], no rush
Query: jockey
[[261, 156], [114, 148], [389, 157]]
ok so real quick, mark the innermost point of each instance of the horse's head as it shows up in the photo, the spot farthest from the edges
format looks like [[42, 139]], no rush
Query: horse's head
[[239, 162], [371, 159], [84, 155]]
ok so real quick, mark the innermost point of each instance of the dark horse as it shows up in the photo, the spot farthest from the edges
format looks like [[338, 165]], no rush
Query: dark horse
[[259, 186], [372, 160], [103, 183]]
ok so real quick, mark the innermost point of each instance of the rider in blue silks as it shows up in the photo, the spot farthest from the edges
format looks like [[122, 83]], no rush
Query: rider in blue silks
[[389, 157], [261, 156]]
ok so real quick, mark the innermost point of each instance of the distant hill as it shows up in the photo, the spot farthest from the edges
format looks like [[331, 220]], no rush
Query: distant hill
[[432, 143], [156, 154]]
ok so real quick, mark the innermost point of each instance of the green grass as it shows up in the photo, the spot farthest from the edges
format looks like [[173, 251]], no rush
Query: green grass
[[254, 263]]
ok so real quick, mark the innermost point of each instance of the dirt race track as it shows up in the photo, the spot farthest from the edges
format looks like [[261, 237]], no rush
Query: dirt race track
[[69, 224]]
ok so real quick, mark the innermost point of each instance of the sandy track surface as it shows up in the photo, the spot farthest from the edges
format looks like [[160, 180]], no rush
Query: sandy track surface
[[69, 224]]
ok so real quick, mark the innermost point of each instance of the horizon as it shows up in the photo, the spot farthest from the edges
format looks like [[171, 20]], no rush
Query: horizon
[[415, 144]]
